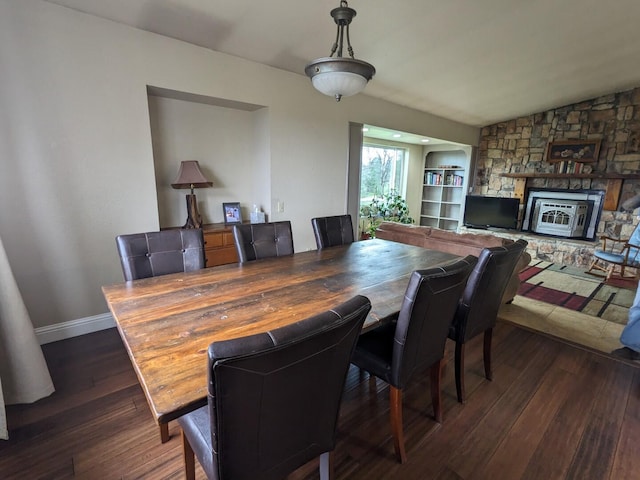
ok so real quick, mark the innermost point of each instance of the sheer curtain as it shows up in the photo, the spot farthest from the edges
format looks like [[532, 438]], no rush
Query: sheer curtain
[[24, 376]]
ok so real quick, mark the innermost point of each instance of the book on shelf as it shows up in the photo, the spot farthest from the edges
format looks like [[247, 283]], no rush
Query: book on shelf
[[453, 180], [569, 166], [432, 178], [437, 178]]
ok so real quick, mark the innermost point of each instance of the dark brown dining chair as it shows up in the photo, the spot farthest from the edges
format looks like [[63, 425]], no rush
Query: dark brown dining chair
[[150, 254], [263, 240], [397, 350], [144, 255], [332, 231], [274, 398], [478, 308]]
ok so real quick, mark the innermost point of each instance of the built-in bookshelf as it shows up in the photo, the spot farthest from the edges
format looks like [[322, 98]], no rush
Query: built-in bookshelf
[[443, 190]]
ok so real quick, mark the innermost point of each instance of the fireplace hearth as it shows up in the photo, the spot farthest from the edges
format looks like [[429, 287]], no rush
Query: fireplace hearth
[[563, 213]]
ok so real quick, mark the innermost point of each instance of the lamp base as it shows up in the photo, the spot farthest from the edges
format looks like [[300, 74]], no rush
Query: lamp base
[[194, 219]]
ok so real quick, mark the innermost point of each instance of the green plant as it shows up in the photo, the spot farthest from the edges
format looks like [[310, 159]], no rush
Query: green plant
[[388, 207]]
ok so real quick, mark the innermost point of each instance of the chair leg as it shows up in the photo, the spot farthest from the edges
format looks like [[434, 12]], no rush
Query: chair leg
[[164, 432], [594, 265], [395, 403], [488, 334], [326, 465], [459, 367], [436, 398], [189, 459]]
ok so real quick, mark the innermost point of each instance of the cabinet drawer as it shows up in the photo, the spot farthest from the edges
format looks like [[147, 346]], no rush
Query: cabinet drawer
[[221, 256], [227, 239], [219, 248], [215, 239]]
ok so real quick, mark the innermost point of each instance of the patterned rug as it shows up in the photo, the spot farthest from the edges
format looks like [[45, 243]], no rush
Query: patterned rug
[[573, 288]]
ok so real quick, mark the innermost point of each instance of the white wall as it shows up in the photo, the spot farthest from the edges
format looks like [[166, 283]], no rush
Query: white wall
[[224, 141], [76, 156]]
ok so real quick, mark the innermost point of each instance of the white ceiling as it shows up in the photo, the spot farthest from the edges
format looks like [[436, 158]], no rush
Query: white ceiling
[[373, 131], [474, 61]]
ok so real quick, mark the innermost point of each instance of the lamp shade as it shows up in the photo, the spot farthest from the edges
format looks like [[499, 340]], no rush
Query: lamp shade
[[190, 176]]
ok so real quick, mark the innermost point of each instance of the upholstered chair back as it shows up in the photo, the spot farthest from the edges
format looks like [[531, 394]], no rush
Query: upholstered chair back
[[150, 254], [395, 351], [332, 231], [430, 302], [478, 309], [263, 240], [274, 397]]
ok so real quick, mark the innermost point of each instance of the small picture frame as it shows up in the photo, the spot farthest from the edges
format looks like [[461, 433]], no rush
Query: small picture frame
[[232, 213], [573, 150]]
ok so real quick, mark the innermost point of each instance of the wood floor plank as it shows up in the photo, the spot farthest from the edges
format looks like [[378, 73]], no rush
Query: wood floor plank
[[482, 441], [518, 445], [596, 450], [554, 453], [552, 411], [626, 463]]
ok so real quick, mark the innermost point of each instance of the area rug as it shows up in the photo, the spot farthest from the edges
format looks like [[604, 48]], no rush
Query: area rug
[[573, 288]]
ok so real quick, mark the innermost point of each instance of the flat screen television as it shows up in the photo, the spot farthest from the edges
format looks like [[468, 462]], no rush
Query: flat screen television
[[491, 212]]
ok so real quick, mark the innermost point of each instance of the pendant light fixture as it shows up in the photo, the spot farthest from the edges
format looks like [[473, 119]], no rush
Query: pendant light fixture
[[340, 76]]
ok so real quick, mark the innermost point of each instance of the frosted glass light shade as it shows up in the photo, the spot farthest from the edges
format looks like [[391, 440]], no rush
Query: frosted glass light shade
[[343, 84], [339, 77]]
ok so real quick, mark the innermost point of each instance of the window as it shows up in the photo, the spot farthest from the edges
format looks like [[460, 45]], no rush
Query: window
[[382, 171]]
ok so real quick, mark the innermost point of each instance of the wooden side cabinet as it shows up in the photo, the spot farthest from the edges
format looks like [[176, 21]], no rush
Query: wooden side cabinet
[[219, 247]]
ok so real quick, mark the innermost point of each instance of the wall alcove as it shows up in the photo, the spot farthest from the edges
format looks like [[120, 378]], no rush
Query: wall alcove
[[228, 138]]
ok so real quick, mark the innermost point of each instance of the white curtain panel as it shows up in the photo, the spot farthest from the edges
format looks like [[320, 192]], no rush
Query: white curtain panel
[[24, 376], [4, 433]]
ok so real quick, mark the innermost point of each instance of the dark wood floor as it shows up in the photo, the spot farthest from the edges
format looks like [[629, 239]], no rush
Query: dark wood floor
[[553, 411]]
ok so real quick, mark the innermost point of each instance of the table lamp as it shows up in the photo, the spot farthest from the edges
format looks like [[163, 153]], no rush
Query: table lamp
[[190, 176]]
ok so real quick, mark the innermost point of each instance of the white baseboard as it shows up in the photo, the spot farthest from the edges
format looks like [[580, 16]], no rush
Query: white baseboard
[[74, 328]]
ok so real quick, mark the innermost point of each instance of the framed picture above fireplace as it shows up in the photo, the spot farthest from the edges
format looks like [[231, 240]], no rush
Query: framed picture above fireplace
[[573, 150]]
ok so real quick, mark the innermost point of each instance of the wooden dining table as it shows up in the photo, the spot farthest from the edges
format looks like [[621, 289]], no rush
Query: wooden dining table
[[167, 322]]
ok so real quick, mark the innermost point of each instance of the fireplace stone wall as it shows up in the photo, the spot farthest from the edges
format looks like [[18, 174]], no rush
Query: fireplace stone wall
[[519, 145], [577, 253]]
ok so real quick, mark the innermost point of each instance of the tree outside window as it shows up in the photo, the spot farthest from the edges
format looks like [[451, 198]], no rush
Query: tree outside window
[[381, 172]]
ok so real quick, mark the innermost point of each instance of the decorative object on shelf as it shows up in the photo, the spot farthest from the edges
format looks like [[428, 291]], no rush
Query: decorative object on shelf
[[573, 151], [190, 176], [389, 207], [232, 213], [256, 215], [339, 76]]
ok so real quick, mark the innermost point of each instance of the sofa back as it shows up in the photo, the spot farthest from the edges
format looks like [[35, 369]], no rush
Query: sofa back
[[460, 244]]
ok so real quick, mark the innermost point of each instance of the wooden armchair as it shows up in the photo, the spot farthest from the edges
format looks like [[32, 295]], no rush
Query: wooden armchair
[[616, 253]]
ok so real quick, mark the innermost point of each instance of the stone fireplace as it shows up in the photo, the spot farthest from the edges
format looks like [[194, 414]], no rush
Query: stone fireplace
[[563, 213], [512, 156]]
